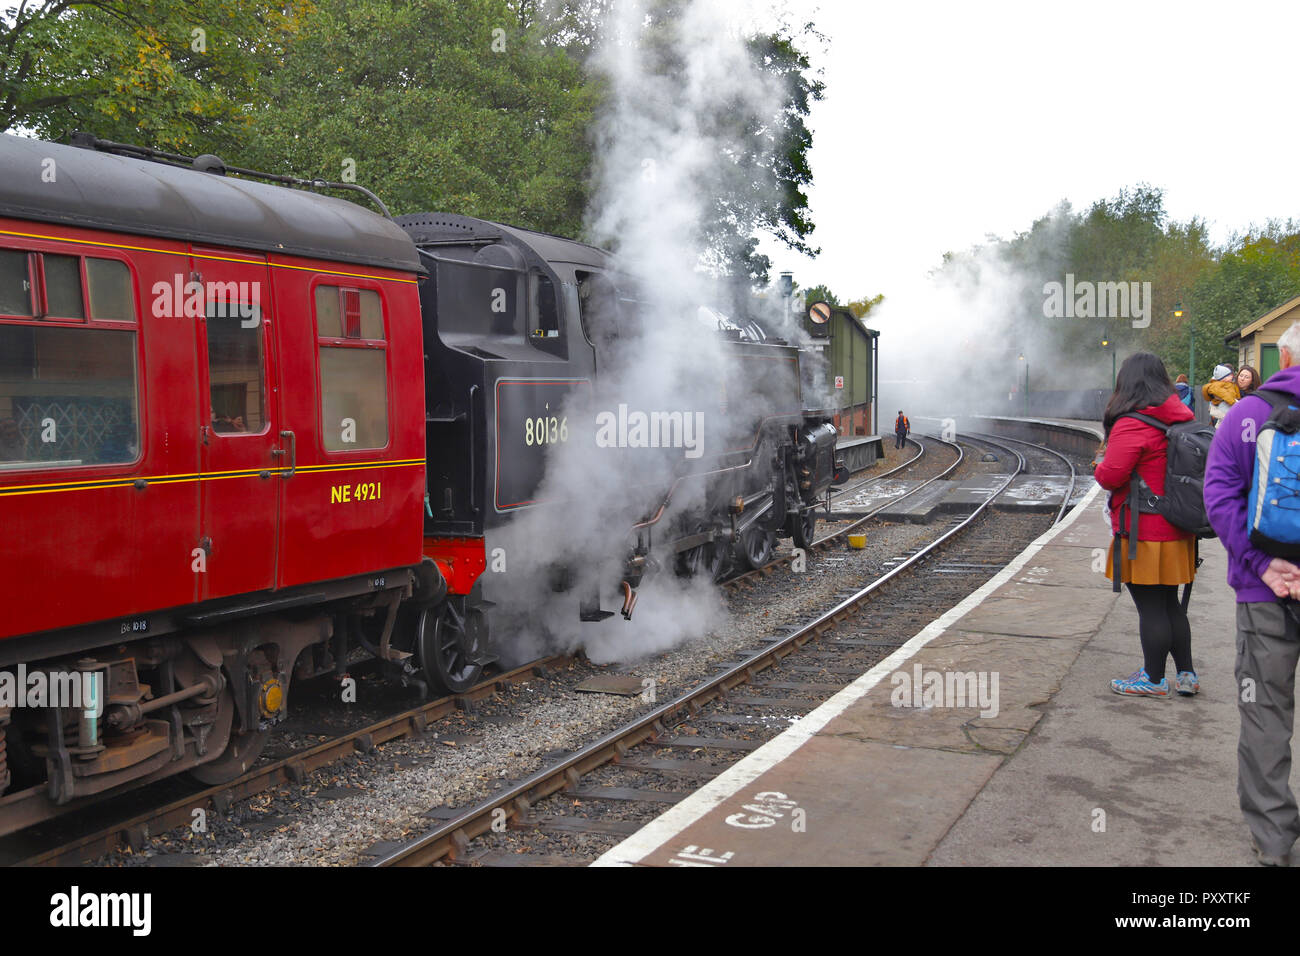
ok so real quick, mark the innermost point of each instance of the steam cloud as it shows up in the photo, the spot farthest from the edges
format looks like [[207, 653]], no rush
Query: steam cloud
[[951, 342], [662, 157]]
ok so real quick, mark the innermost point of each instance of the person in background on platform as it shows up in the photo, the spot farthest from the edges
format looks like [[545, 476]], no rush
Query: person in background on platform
[[1248, 380], [901, 429], [1222, 393], [1185, 393], [1166, 555], [1268, 636]]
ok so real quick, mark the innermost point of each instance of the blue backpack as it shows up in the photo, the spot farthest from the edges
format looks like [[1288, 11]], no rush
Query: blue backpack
[[1273, 508]]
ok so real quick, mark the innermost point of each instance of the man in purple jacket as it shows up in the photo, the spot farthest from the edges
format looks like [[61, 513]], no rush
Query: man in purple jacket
[[1268, 635]]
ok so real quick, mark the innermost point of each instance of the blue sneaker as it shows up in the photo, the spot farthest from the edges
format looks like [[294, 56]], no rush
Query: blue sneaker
[[1188, 683], [1138, 684]]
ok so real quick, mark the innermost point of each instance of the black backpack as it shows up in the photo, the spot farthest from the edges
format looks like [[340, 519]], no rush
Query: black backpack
[[1183, 503]]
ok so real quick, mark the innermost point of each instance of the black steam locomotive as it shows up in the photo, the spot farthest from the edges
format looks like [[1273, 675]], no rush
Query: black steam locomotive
[[532, 347]]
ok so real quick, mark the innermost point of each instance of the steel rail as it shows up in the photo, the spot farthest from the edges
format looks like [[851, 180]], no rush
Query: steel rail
[[884, 474], [291, 769], [826, 540], [1069, 491]]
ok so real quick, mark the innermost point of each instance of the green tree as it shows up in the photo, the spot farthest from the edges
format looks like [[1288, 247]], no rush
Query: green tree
[[156, 72], [1117, 237], [1181, 257], [758, 180], [468, 106], [765, 187], [1260, 272], [860, 307], [820, 293]]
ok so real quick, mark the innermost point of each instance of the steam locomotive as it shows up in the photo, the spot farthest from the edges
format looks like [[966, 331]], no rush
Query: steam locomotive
[[247, 429]]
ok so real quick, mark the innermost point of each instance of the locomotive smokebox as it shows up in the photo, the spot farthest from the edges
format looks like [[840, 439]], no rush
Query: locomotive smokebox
[[816, 458]]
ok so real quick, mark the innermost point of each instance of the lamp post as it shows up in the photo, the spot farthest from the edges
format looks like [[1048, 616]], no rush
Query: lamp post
[[1026, 361], [1191, 343], [1107, 344], [786, 284]]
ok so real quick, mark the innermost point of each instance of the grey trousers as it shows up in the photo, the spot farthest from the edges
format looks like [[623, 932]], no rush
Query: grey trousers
[[1268, 649]]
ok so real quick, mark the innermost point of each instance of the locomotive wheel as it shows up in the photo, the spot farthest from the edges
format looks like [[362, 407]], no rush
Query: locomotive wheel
[[756, 546], [241, 752], [803, 527], [451, 641], [688, 563], [708, 558], [717, 561]]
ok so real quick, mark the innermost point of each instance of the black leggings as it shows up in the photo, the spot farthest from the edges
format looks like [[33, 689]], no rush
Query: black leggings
[[1163, 627]]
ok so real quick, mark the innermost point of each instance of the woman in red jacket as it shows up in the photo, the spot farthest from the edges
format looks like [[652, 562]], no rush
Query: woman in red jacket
[[1166, 556]]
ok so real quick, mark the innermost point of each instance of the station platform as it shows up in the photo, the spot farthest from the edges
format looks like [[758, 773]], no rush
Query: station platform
[[1052, 769], [860, 452]]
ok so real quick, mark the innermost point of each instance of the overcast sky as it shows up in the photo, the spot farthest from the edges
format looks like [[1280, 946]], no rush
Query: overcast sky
[[947, 121]]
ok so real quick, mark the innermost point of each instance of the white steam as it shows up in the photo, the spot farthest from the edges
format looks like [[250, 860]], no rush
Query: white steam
[[952, 343], [663, 154]]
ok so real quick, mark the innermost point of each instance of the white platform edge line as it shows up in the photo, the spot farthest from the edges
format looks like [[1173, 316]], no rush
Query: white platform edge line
[[722, 787]]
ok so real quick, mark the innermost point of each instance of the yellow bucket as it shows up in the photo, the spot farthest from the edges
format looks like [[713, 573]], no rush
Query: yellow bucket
[[857, 541]]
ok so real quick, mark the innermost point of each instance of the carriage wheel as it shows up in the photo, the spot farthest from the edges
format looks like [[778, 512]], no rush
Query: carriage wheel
[[451, 641], [241, 752]]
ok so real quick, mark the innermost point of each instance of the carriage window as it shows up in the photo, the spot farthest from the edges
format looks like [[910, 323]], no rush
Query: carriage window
[[109, 284], [67, 396], [62, 296], [353, 368], [348, 313], [372, 315], [15, 283], [235, 369], [63, 287], [328, 322], [354, 398]]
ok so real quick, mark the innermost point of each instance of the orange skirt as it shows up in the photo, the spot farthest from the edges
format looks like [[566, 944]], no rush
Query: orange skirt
[[1158, 562]]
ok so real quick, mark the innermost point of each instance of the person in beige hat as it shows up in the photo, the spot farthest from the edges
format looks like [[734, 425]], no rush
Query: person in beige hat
[[1222, 393]]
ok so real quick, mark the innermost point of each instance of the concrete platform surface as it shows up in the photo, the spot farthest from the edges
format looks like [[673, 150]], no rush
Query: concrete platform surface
[[992, 738]]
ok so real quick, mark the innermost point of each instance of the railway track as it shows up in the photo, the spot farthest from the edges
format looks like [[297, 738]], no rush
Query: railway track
[[847, 490], [135, 830], [1043, 452], [840, 535], [98, 831], [843, 642], [96, 836], [132, 830]]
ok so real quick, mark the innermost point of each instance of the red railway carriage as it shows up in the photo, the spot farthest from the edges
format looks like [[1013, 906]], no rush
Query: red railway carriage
[[212, 459]]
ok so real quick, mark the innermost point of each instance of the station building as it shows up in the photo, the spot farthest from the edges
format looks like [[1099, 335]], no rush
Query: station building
[[1256, 343], [852, 355]]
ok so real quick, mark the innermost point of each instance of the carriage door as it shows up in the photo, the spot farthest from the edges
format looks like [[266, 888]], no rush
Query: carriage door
[[245, 455]]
